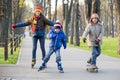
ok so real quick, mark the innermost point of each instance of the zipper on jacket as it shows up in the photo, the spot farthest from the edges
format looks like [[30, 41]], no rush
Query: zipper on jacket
[[55, 41]]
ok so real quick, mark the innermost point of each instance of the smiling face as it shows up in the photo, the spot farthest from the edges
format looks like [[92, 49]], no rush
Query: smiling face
[[57, 30], [94, 20], [37, 13]]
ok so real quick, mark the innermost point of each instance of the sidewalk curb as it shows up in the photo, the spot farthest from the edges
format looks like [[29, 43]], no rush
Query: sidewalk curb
[[18, 61]]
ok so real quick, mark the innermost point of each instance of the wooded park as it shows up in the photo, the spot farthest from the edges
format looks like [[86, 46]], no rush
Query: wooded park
[[73, 14]]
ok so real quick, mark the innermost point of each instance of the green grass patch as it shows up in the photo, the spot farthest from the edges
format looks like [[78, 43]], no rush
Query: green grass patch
[[109, 47], [12, 59]]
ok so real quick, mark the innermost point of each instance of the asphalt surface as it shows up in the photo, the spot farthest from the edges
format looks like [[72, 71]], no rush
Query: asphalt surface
[[73, 61]]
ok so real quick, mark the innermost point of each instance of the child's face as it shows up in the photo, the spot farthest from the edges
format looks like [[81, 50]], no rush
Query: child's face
[[94, 20], [57, 30], [37, 13]]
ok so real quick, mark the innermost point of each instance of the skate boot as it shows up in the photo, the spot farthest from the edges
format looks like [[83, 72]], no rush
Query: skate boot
[[89, 61], [60, 68], [45, 65], [42, 67], [33, 63]]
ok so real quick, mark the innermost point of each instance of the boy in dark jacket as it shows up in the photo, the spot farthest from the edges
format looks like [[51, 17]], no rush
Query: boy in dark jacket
[[38, 24], [57, 38]]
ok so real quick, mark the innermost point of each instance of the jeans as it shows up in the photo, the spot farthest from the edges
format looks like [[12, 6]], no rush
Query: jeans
[[51, 51], [96, 51], [42, 46]]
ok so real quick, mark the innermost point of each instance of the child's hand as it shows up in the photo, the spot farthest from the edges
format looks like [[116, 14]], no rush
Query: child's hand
[[97, 41], [54, 35], [13, 26]]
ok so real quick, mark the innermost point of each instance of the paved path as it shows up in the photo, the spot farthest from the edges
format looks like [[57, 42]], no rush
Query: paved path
[[74, 64]]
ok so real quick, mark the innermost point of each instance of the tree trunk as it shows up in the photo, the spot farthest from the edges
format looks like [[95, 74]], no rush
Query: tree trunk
[[76, 24], [44, 7], [55, 10], [48, 13], [72, 24], [1, 18], [91, 6], [10, 17], [65, 28], [118, 11], [96, 6], [49, 9], [119, 34], [63, 9], [6, 19], [112, 26], [69, 11], [87, 9]]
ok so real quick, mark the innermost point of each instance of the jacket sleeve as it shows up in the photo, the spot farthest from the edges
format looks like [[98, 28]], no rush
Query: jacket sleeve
[[101, 33], [86, 32], [51, 23], [22, 24], [48, 22], [49, 35], [64, 41]]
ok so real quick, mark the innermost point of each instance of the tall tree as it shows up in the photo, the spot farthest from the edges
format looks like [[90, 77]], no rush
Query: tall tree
[[87, 9], [118, 11], [70, 11], [1, 14], [91, 6], [96, 6], [56, 10], [17, 11], [76, 24], [48, 13], [65, 17], [49, 9], [112, 26], [72, 24], [6, 18]]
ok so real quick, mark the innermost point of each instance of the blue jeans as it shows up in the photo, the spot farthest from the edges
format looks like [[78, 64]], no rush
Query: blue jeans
[[51, 51], [42, 46], [96, 51]]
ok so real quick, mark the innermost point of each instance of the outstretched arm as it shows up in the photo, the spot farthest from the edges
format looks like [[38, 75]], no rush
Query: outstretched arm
[[48, 22], [22, 24], [51, 23]]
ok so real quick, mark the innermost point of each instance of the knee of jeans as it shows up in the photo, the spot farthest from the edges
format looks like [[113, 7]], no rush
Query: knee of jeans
[[42, 48], [95, 55], [34, 47], [58, 59], [46, 59], [98, 53]]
